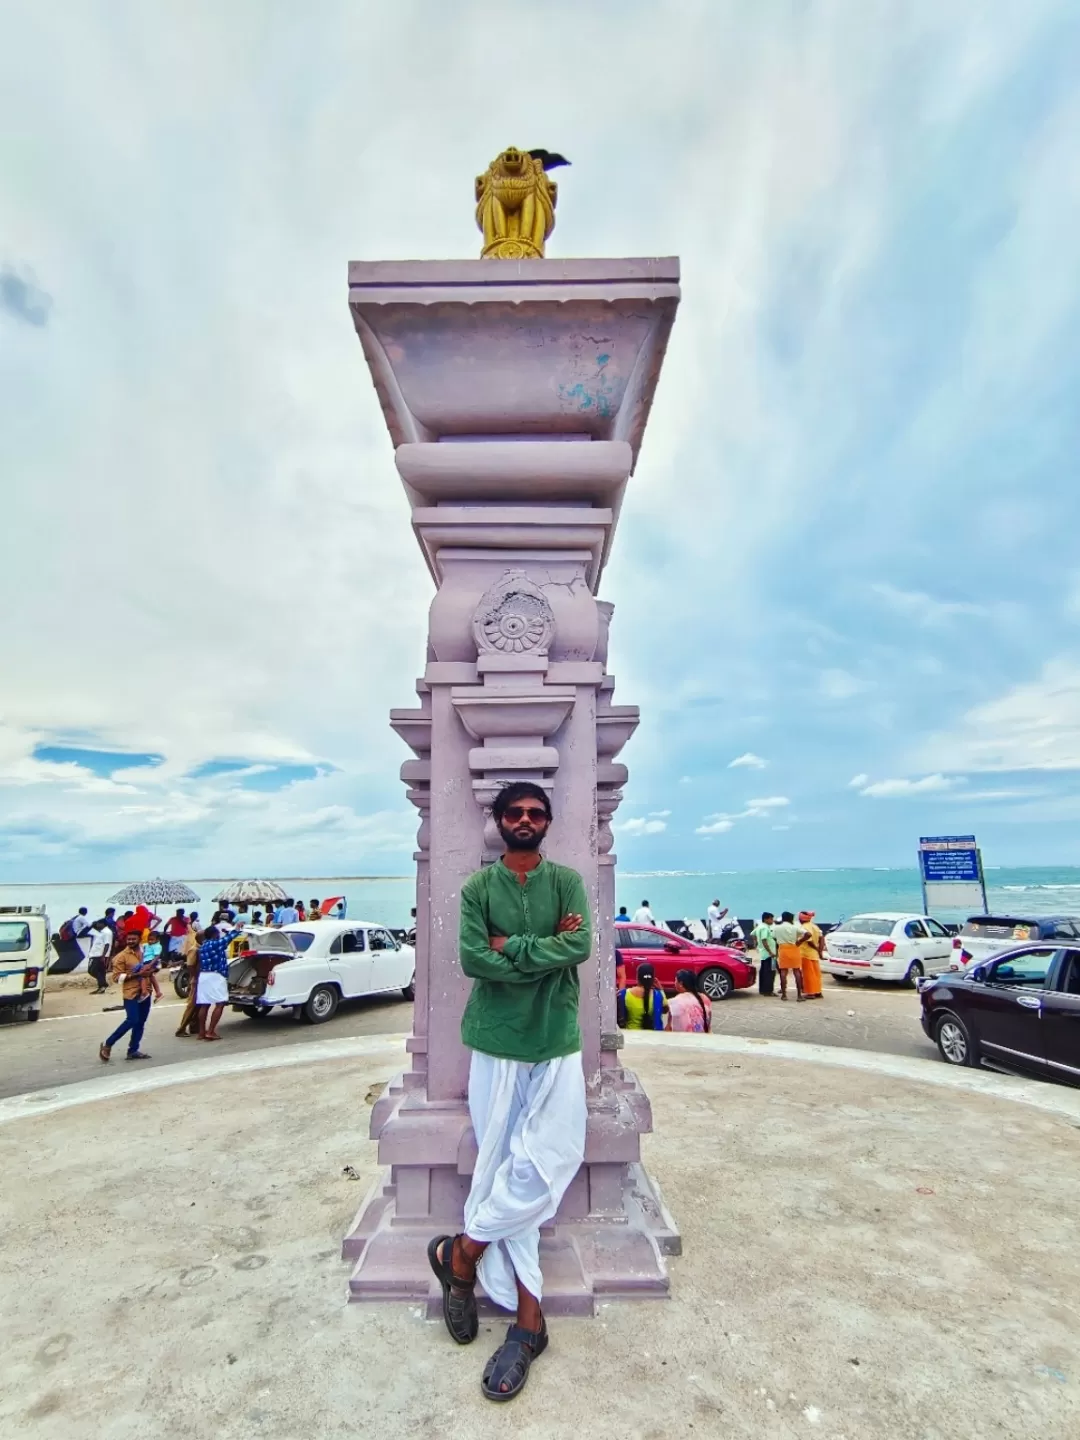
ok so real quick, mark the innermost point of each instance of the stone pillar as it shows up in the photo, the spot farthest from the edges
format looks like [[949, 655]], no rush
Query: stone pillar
[[516, 395]]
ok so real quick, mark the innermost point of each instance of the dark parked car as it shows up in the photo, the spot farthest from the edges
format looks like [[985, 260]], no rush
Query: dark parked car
[[719, 969], [1020, 1009]]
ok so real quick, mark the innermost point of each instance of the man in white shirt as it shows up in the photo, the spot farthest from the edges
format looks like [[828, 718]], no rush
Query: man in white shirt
[[100, 950], [79, 923], [643, 915], [714, 920]]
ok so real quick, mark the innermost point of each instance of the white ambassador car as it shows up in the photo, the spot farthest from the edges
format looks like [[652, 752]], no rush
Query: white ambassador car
[[310, 968], [887, 946]]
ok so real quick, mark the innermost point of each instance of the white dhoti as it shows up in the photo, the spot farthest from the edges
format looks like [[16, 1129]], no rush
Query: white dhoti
[[530, 1133], [211, 989]]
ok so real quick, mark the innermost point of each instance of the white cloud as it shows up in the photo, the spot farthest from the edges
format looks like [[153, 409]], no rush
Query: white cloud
[[858, 781], [715, 827], [749, 761], [926, 610], [640, 826], [902, 789], [1033, 726], [770, 802], [659, 814], [781, 827]]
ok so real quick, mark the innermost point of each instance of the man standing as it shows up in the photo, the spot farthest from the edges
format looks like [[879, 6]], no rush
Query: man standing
[[811, 945], [175, 931], [100, 950], [643, 915], [139, 987], [525, 928], [189, 1020], [788, 957], [286, 914], [766, 947], [212, 986], [714, 920], [622, 918]]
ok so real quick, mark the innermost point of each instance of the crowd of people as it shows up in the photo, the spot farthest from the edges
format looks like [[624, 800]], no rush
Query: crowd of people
[[131, 949], [787, 949]]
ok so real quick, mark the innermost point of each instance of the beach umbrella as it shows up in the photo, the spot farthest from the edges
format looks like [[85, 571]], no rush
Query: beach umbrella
[[154, 892], [252, 892]]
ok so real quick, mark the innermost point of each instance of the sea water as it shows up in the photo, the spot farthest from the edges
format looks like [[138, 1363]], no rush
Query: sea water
[[677, 895]]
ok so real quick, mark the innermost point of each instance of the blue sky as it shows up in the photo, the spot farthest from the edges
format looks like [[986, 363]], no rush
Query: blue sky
[[845, 591]]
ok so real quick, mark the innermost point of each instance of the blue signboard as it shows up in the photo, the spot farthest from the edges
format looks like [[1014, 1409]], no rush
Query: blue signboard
[[950, 868], [949, 859]]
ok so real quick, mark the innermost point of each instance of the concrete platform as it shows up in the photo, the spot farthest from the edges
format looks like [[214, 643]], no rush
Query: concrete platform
[[872, 1248]]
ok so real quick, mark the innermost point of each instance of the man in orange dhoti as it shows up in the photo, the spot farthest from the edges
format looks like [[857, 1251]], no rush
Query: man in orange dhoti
[[811, 942], [788, 954]]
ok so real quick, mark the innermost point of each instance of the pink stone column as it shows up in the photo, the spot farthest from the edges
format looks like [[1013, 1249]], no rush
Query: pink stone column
[[516, 395]]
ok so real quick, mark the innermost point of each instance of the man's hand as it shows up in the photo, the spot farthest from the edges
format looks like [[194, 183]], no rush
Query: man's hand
[[496, 942], [568, 925]]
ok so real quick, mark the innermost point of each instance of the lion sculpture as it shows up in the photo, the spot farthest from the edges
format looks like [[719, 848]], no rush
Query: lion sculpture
[[515, 204]]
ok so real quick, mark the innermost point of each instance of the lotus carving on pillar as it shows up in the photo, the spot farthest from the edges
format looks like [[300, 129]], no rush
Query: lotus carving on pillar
[[513, 618]]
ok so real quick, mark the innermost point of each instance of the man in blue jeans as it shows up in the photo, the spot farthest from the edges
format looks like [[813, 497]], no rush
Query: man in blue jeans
[[140, 988]]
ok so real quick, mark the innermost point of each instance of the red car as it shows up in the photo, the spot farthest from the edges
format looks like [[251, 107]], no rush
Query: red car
[[721, 970]]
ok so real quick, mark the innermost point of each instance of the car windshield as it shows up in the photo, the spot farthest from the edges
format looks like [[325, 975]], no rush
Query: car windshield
[[14, 936], [992, 927], [865, 925], [301, 939]]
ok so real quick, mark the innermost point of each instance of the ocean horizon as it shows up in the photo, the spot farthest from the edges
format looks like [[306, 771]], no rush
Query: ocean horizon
[[832, 892]]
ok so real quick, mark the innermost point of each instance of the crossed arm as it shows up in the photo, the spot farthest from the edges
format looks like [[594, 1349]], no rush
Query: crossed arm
[[522, 959]]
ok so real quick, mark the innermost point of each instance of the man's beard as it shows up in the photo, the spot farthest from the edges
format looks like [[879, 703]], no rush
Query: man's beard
[[514, 841]]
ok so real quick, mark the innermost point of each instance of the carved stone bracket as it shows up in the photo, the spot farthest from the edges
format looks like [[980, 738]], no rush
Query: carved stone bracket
[[513, 618]]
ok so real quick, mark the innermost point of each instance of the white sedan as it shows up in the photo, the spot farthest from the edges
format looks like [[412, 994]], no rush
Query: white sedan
[[312, 967], [887, 946]]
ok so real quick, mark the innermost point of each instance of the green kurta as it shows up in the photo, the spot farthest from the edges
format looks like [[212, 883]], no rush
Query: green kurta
[[524, 1001]]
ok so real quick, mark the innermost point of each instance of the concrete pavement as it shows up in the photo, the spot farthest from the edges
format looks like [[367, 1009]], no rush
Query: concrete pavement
[[62, 1047], [866, 1255]]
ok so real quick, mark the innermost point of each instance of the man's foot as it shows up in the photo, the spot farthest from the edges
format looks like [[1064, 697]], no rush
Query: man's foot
[[507, 1371], [459, 1297], [211, 1037], [104, 1053], [138, 1055]]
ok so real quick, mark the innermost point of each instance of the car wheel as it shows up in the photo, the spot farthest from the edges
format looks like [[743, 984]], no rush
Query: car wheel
[[260, 1014], [33, 1015], [182, 984], [409, 990], [321, 1005], [716, 983], [842, 979], [915, 973], [955, 1042]]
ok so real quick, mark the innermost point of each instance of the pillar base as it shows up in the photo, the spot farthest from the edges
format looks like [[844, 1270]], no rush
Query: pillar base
[[584, 1262], [608, 1241]]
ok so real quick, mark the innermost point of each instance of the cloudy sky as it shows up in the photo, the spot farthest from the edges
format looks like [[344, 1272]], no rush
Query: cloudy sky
[[846, 590]]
